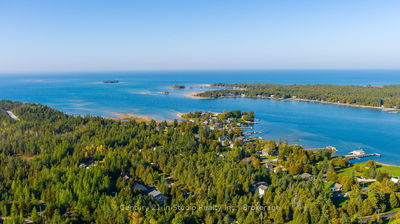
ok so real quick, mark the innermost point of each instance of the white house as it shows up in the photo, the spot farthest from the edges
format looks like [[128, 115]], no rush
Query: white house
[[261, 190], [395, 180]]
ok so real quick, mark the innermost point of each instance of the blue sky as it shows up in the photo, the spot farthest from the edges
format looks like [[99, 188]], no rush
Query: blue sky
[[96, 35]]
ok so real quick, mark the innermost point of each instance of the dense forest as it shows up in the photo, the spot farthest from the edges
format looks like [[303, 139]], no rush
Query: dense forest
[[374, 96], [58, 168]]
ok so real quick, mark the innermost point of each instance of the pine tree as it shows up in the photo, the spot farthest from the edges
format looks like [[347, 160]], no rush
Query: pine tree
[[345, 219], [394, 201], [34, 215], [136, 218]]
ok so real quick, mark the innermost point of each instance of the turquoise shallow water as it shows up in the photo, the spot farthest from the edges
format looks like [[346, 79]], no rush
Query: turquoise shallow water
[[315, 125]]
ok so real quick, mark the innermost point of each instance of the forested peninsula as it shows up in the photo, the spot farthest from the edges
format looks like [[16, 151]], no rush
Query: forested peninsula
[[386, 97], [58, 168]]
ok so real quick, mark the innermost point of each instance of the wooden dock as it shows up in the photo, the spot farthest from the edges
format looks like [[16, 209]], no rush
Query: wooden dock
[[252, 132], [350, 157]]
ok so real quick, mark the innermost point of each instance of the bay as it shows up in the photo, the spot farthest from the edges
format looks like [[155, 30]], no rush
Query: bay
[[308, 124]]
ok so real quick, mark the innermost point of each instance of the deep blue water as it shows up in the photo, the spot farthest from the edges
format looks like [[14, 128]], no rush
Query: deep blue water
[[315, 125]]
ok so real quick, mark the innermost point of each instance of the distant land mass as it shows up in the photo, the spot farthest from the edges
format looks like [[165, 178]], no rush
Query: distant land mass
[[380, 97]]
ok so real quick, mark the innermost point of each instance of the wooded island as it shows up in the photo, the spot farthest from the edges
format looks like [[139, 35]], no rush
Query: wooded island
[[370, 96]]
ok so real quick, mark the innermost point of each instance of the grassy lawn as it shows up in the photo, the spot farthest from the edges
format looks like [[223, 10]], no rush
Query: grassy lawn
[[392, 170]]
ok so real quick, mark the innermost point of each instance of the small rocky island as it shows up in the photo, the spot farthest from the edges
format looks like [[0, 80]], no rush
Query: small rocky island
[[177, 87], [110, 81]]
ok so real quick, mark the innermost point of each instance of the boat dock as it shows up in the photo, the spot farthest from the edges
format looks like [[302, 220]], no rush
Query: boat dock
[[251, 132], [350, 157], [359, 154]]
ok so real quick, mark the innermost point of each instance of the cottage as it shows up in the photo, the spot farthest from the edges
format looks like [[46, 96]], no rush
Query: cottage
[[332, 148], [248, 159], [185, 193], [261, 190], [268, 166], [216, 127], [260, 187], [125, 176], [223, 155], [337, 194], [336, 187], [273, 160], [306, 176], [223, 138], [140, 187], [365, 180], [395, 180], [241, 138], [170, 182], [270, 153], [279, 169], [157, 195]]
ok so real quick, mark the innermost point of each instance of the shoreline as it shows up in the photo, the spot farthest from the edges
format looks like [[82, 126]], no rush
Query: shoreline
[[313, 101], [386, 164], [347, 105], [179, 115], [135, 117], [193, 95], [378, 163]]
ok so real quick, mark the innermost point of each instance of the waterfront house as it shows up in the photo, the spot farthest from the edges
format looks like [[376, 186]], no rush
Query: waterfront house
[[395, 180], [241, 138]]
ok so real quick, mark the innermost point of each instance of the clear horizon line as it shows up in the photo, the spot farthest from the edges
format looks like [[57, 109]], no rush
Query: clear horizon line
[[194, 70]]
